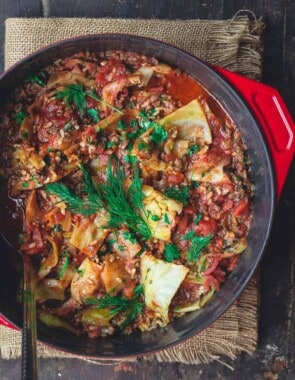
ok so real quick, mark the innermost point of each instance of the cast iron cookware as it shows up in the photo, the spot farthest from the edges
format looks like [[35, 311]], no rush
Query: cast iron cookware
[[253, 107]]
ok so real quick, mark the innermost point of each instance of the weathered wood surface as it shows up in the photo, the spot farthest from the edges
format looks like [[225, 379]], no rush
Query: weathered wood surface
[[274, 358]]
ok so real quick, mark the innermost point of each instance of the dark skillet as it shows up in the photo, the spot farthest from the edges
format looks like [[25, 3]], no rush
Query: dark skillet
[[263, 178]]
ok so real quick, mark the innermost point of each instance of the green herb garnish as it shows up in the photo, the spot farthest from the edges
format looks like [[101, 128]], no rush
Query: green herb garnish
[[181, 194], [171, 252], [198, 243], [129, 236], [125, 206], [73, 94], [93, 95], [189, 235], [25, 184], [56, 228], [159, 134], [88, 206], [20, 117], [121, 125], [93, 113], [36, 79], [143, 146], [198, 218], [130, 159], [118, 304], [64, 265], [25, 135], [155, 218], [166, 219], [110, 144], [79, 272], [68, 127], [194, 185], [193, 149]]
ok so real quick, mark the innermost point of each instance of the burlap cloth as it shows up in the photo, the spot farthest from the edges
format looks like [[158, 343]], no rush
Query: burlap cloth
[[234, 44]]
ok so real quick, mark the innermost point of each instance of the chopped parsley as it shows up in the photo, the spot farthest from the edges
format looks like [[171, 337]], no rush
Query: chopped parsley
[[25, 135], [155, 218], [93, 113], [64, 265], [110, 144], [25, 184], [166, 219], [198, 243], [56, 228], [193, 149], [159, 134], [198, 218], [171, 252], [194, 185], [143, 146], [20, 117], [121, 125], [36, 79]]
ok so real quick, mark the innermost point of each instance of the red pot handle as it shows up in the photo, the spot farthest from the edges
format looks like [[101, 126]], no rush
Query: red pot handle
[[274, 118], [5, 322]]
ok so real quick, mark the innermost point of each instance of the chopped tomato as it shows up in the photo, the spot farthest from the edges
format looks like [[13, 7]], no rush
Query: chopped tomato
[[227, 205], [189, 210], [53, 111], [34, 243], [214, 264], [219, 274], [128, 290], [174, 179], [111, 71], [230, 263], [211, 282], [156, 89], [89, 135], [206, 227], [241, 208], [91, 103], [182, 224]]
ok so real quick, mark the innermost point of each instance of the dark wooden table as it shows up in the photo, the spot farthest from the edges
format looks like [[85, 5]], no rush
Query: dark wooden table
[[274, 358]]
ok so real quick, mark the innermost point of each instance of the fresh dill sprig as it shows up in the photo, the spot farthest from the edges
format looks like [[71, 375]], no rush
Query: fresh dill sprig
[[88, 206], [73, 94], [124, 206], [131, 307], [93, 95], [181, 194]]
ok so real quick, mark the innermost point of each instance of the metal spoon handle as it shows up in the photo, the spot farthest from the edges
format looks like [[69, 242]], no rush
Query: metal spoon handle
[[29, 336]]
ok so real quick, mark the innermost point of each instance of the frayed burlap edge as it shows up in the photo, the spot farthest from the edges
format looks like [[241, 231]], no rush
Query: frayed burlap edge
[[234, 332], [234, 44]]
